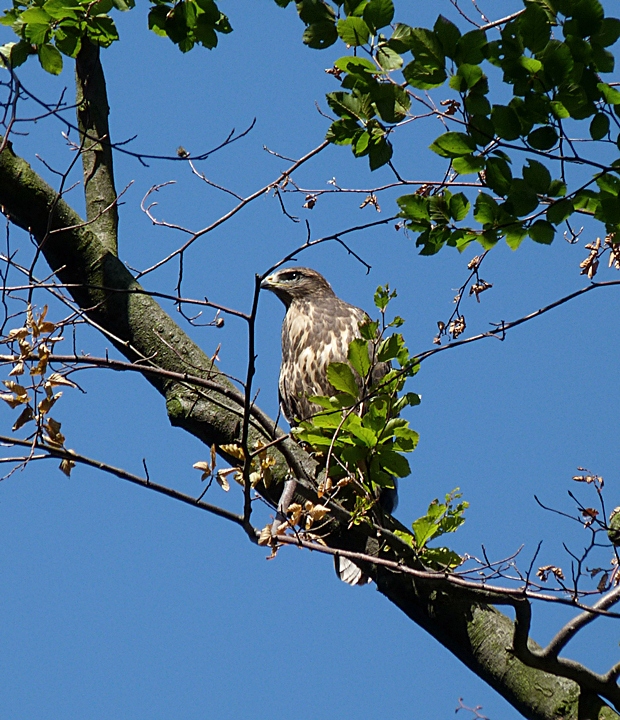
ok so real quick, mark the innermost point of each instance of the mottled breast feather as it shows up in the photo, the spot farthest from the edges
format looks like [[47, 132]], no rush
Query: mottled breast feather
[[315, 333]]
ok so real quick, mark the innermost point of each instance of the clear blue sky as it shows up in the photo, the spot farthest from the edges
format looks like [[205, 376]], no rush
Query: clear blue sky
[[118, 603]]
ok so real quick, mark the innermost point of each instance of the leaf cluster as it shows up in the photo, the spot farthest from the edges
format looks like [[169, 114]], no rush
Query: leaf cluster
[[441, 518], [552, 56], [53, 28], [188, 22], [31, 346], [358, 430]]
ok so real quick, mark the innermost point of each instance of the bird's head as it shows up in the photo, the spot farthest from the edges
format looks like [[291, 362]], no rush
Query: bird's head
[[298, 283]]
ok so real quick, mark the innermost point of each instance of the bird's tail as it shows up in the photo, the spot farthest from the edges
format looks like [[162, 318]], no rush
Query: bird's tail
[[349, 572]]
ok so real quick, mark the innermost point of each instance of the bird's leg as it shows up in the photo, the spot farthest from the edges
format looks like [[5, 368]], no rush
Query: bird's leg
[[285, 500]]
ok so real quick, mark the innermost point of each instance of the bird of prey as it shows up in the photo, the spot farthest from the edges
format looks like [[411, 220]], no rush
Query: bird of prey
[[317, 330]]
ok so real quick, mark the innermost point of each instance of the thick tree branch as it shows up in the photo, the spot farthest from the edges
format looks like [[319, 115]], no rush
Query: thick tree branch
[[92, 113]]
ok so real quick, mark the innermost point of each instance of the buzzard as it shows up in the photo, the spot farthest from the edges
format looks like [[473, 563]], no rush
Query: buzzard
[[317, 330]]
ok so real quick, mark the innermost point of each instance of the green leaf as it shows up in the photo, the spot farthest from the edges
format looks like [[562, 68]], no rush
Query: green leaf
[[441, 558], [414, 207], [360, 144], [356, 65], [353, 31], [560, 211], [426, 48], [157, 20], [537, 176], [486, 210], [35, 15], [557, 189], [424, 530], [68, 41], [611, 95], [404, 536], [609, 184], [379, 153], [453, 144], [204, 33], [477, 104], [314, 11], [448, 35], [17, 52], [498, 175], [393, 462], [389, 348], [50, 59], [608, 33], [459, 207], [599, 127], [366, 435], [470, 47], [342, 132], [388, 59], [530, 64], [515, 234], [542, 232], [608, 210], [383, 296], [468, 164], [346, 105], [369, 329], [589, 15], [424, 77], [359, 357], [391, 101], [603, 59], [586, 200], [543, 138], [378, 13], [341, 377], [506, 122], [559, 110], [62, 9], [406, 439], [522, 199], [320, 35], [402, 38], [481, 129], [471, 74], [535, 28], [36, 33], [558, 62]]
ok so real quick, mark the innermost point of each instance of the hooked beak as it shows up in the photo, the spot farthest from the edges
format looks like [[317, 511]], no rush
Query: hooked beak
[[268, 283]]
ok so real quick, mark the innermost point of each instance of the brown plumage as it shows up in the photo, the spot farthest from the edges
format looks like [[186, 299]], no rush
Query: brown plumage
[[317, 330]]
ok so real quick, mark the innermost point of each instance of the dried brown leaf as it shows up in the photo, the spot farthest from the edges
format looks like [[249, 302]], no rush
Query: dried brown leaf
[[265, 536], [26, 416], [18, 369], [57, 379], [233, 450], [222, 482], [67, 466]]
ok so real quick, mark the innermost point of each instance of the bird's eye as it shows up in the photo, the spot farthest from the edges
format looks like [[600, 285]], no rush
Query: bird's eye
[[291, 276]]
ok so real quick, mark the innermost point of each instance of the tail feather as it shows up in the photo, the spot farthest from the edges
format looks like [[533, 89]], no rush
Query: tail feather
[[349, 572]]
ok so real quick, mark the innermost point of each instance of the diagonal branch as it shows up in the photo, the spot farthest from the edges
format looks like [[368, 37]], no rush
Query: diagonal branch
[[71, 456]]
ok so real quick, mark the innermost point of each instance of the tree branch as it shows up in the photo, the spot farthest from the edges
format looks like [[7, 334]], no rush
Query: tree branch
[[92, 113]]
